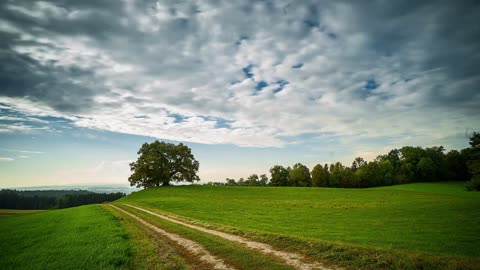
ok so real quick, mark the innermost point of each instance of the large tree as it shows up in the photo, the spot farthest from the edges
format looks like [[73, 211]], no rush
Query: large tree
[[279, 176], [426, 169], [160, 163], [320, 176], [474, 162], [300, 176], [357, 163]]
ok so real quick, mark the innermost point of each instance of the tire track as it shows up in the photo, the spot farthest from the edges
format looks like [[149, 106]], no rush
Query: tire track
[[190, 245], [293, 259]]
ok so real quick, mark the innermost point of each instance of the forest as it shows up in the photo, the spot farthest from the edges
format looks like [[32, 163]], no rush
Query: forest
[[399, 166], [52, 199]]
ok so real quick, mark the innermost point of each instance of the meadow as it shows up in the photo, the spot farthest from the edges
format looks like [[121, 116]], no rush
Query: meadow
[[11, 212], [436, 218], [85, 237], [421, 225]]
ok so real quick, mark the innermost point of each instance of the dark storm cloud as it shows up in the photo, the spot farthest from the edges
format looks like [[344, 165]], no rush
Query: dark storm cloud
[[65, 88], [23, 76]]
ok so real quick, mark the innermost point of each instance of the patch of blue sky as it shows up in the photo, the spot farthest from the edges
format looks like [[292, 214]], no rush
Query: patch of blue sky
[[311, 23], [219, 122], [178, 118], [223, 123], [281, 84], [260, 85], [332, 35], [9, 117], [371, 85], [247, 71], [299, 65]]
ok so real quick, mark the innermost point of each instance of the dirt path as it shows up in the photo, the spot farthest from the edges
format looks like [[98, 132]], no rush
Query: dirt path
[[191, 246], [293, 259]]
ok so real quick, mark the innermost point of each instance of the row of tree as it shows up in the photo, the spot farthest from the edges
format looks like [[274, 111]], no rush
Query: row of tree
[[15, 199], [405, 165]]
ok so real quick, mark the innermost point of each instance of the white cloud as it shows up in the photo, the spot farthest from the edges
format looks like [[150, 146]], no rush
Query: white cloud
[[21, 151], [6, 159], [186, 59]]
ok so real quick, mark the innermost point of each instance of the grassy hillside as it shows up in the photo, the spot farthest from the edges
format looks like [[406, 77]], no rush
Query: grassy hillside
[[11, 212], [438, 218], [86, 237]]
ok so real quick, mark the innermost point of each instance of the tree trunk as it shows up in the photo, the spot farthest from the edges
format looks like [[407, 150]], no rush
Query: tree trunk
[[166, 183]]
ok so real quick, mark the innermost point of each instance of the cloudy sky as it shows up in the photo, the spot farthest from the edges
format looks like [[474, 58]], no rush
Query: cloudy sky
[[246, 84]]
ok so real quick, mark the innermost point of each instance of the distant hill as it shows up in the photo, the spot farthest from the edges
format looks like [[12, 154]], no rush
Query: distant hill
[[51, 199], [97, 188]]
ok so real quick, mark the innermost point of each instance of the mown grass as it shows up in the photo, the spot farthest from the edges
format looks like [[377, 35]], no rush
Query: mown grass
[[362, 257], [437, 219], [445, 188], [86, 237], [234, 254], [148, 249]]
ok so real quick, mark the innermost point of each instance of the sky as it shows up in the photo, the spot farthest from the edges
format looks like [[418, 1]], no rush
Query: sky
[[245, 84]]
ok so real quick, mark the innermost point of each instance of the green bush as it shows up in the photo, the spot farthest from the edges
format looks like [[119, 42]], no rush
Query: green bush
[[474, 184]]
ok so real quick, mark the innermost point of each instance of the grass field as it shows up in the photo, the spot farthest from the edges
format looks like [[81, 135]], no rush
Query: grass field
[[234, 254], [11, 212], [423, 225], [86, 237], [148, 249], [437, 218]]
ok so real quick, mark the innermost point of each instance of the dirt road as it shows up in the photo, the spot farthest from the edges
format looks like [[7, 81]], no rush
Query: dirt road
[[191, 246], [295, 260]]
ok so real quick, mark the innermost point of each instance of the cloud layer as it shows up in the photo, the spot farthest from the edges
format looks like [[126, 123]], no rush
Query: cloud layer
[[250, 73]]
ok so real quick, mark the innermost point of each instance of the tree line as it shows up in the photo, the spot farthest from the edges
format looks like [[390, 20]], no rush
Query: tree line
[[405, 165], [50, 199]]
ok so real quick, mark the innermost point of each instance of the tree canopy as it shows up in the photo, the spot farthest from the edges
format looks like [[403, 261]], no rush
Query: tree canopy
[[300, 176], [279, 176], [473, 162], [320, 176], [52, 199], [405, 165], [160, 163]]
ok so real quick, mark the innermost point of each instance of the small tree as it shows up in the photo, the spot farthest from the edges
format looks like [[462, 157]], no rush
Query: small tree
[[241, 182], [263, 180], [160, 163], [252, 180], [230, 182]]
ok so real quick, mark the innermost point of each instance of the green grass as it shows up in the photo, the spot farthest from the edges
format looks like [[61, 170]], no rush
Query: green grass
[[86, 237], [11, 212], [436, 218], [234, 254], [149, 250], [423, 225], [446, 188]]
